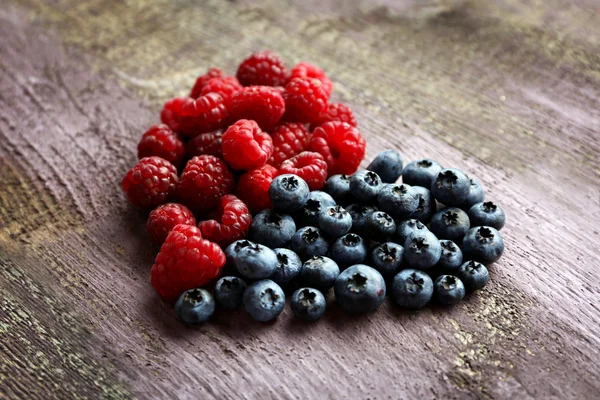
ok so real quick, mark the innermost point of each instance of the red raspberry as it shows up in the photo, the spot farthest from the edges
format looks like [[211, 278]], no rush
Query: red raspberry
[[342, 146], [309, 166], [262, 104], [305, 100], [245, 146], [191, 117], [226, 87], [151, 182], [234, 222], [306, 70], [263, 68], [289, 139], [203, 79], [162, 142], [164, 218], [336, 112], [204, 181], [205, 143], [185, 261], [253, 188]]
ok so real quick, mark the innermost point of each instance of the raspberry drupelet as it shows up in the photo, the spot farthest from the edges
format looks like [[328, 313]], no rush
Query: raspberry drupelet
[[192, 117], [203, 79], [151, 182], [309, 166], [305, 100], [162, 142], [262, 104], [246, 146], [205, 143], [231, 223], [164, 218], [253, 188], [342, 146], [263, 68], [306, 70], [289, 139]]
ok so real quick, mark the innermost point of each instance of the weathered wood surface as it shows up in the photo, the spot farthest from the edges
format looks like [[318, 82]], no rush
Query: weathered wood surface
[[507, 90]]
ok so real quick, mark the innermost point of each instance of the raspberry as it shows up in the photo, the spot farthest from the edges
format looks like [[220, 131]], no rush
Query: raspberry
[[185, 261], [204, 181], [263, 68], [336, 112], [262, 104], [306, 70], [191, 117], [309, 166], [289, 139], [253, 188], [305, 100], [226, 87], [162, 142], [234, 222], [342, 146], [151, 182], [205, 143], [164, 218], [203, 79], [245, 146]]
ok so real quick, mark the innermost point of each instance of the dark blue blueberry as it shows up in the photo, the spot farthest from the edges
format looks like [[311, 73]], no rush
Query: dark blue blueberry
[[264, 300], [421, 172], [365, 185], [272, 229], [308, 215], [195, 306], [398, 200], [289, 266], [487, 214], [476, 194], [451, 187], [338, 186], [388, 165], [319, 272], [449, 289], [405, 228], [230, 254], [308, 242], [359, 214], [288, 192], [335, 221], [308, 304], [426, 207], [422, 250], [412, 288], [387, 258], [380, 227], [348, 250], [483, 244], [451, 258], [229, 291], [450, 223], [256, 261], [474, 275], [359, 289]]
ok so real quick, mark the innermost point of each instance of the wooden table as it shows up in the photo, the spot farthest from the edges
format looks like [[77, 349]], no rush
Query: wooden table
[[506, 90]]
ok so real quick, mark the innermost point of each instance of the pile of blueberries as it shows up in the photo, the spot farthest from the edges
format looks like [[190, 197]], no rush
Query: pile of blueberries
[[432, 234]]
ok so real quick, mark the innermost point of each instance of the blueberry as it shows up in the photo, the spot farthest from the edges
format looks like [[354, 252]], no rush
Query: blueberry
[[308, 304], [348, 250], [450, 223], [387, 258], [319, 272], [308, 215], [264, 300], [338, 186], [308, 242], [272, 229], [412, 288], [359, 289], [451, 258], [365, 185], [405, 228], [449, 289], [229, 291], [422, 250], [476, 194], [256, 261], [195, 306], [426, 207], [399, 201], [359, 214], [451, 187], [288, 267], [380, 227], [474, 275], [388, 165], [421, 172], [230, 254], [288, 192], [487, 214], [335, 221], [483, 244]]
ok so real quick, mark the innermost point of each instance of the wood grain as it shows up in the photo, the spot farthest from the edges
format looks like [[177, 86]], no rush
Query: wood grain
[[506, 90]]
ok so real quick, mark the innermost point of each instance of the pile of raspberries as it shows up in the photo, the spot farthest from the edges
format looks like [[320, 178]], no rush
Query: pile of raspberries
[[268, 143]]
